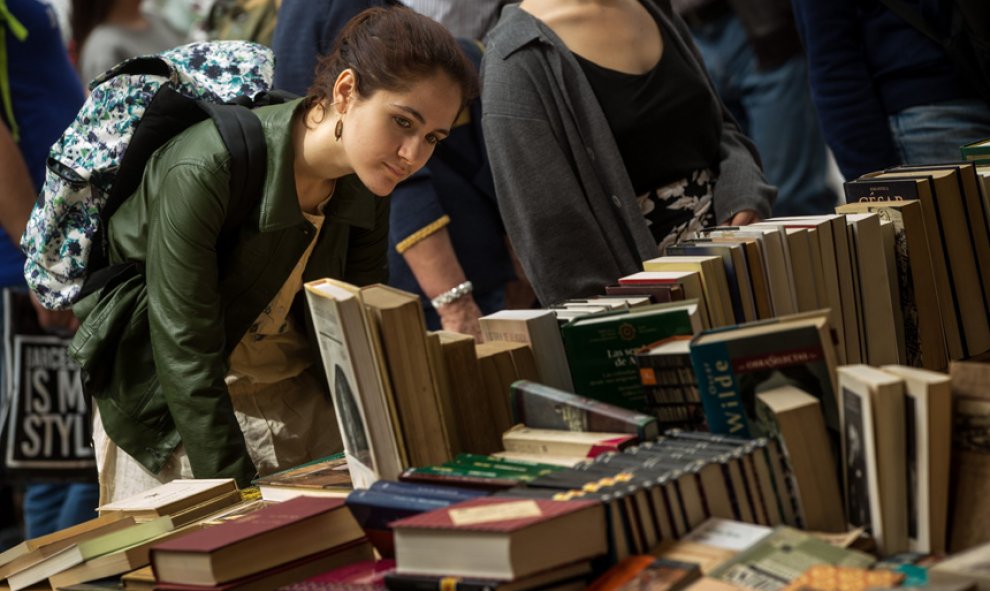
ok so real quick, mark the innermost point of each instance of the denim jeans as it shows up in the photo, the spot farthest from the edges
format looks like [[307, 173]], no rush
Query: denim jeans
[[53, 506], [774, 108], [928, 134]]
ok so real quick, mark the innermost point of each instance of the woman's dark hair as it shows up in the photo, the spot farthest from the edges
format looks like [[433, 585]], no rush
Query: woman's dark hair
[[391, 49], [86, 15]]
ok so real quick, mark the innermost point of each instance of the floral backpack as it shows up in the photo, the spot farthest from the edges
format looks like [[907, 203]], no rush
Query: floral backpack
[[133, 109]]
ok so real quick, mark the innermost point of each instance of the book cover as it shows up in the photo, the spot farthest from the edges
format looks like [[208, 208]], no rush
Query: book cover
[[874, 442], [276, 576], [359, 384], [647, 572], [544, 407], [601, 348], [171, 497], [206, 557], [732, 365], [928, 439], [367, 574], [464, 539], [375, 510], [772, 563], [323, 475]]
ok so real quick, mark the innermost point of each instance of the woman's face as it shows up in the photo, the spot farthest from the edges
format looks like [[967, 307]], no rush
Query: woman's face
[[391, 134]]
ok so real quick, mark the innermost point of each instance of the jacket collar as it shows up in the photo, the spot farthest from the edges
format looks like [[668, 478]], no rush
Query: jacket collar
[[352, 203]]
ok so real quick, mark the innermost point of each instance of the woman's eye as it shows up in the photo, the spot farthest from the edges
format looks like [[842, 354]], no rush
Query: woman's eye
[[432, 139], [402, 122]]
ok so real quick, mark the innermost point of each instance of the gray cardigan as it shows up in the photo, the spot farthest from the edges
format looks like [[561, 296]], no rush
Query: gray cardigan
[[562, 187]]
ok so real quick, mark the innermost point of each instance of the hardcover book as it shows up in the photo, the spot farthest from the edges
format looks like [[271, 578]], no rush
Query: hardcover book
[[500, 538], [587, 444], [601, 348], [544, 407], [264, 539], [170, 498]]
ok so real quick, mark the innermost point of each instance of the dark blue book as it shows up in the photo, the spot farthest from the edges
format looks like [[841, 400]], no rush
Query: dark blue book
[[375, 510], [452, 494]]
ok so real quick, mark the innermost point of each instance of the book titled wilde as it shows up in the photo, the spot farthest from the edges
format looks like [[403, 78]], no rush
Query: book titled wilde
[[733, 364]]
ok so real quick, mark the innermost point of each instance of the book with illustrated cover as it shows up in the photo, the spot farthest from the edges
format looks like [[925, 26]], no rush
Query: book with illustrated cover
[[647, 572], [571, 577], [783, 556], [359, 383], [874, 451], [828, 577], [734, 364]]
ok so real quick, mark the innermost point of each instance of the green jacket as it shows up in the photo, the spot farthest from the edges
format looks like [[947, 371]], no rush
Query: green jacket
[[155, 346]]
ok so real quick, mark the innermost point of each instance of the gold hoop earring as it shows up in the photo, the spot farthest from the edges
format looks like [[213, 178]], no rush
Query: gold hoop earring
[[338, 130]]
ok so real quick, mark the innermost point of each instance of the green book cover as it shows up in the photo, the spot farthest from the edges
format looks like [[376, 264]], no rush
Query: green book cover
[[782, 556], [601, 348]]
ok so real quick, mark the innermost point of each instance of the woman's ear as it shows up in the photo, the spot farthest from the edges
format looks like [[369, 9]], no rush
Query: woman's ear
[[344, 90]]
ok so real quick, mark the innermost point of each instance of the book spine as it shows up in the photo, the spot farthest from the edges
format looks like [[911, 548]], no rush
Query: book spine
[[719, 390]]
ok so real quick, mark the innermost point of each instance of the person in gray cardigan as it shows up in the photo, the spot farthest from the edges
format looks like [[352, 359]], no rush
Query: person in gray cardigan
[[601, 158]]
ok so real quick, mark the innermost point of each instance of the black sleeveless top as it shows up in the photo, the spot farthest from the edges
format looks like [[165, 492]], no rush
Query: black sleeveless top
[[665, 122]]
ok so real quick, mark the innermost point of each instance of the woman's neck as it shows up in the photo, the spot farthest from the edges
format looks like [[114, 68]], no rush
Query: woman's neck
[[318, 159]]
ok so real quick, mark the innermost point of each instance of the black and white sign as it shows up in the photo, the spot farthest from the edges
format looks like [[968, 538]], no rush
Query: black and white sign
[[48, 426]]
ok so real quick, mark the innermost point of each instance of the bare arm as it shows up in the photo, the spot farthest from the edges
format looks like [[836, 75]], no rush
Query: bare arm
[[19, 195], [435, 266]]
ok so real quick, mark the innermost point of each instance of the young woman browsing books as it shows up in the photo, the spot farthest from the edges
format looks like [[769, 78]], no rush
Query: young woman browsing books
[[216, 373], [607, 140]]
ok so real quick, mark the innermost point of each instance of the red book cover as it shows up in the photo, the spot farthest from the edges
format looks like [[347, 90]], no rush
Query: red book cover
[[500, 514], [283, 574], [251, 525], [366, 572]]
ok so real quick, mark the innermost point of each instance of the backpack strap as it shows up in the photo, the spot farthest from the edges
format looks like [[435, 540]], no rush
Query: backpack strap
[[244, 137]]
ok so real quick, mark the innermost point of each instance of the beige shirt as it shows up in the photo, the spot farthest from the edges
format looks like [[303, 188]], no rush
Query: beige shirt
[[274, 348]]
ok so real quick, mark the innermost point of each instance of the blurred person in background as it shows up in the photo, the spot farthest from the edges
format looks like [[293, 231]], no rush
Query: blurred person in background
[[106, 32], [40, 99], [754, 56], [886, 94], [464, 19], [601, 158]]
